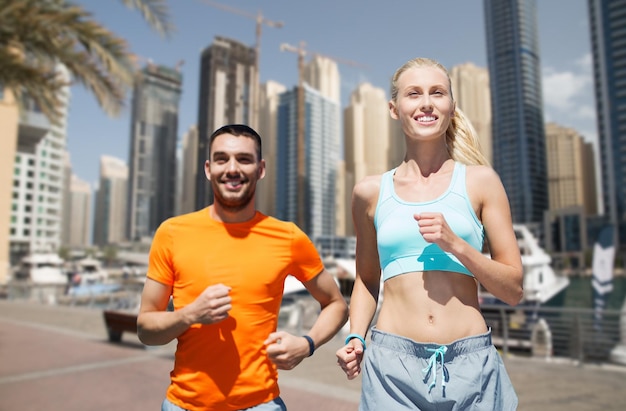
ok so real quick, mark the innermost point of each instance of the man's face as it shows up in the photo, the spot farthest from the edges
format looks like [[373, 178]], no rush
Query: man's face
[[234, 170]]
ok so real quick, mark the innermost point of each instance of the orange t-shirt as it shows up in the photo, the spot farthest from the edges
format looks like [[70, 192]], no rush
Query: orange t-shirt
[[224, 366]]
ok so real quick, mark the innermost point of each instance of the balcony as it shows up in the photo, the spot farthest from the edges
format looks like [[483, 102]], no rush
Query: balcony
[[33, 126]]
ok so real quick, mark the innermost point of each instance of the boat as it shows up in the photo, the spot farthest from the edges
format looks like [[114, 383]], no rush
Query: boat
[[89, 271], [41, 269], [542, 285]]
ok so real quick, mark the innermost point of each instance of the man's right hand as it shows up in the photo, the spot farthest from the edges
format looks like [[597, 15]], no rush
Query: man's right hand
[[210, 307]]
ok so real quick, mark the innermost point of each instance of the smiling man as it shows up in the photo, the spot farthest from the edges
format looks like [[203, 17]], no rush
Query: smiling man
[[225, 267]]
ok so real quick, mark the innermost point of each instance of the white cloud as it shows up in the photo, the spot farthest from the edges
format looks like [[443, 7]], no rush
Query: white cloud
[[585, 63], [560, 89], [586, 111], [568, 96]]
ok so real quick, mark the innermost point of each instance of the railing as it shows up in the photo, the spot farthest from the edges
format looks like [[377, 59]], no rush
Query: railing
[[581, 334], [123, 296]]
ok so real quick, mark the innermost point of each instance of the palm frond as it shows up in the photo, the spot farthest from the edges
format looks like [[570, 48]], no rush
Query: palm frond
[[39, 34], [41, 84], [155, 12]]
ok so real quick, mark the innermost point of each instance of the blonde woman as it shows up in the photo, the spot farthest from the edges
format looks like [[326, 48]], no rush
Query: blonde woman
[[422, 226]]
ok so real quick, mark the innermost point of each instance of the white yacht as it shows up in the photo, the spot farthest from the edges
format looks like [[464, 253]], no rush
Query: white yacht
[[41, 268], [90, 271], [541, 282]]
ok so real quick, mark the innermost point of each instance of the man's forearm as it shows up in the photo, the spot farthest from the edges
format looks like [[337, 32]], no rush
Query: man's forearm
[[330, 320], [160, 327]]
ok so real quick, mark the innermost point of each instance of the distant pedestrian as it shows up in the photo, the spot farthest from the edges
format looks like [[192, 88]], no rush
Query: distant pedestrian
[[224, 267], [422, 225]]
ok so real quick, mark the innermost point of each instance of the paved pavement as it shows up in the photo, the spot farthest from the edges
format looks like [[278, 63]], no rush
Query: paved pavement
[[58, 358]]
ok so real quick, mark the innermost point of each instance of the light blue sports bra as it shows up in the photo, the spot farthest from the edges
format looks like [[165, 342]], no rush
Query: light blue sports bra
[[401, 247]]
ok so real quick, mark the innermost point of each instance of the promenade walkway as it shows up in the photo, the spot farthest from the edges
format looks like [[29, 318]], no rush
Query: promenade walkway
[[58, 358]]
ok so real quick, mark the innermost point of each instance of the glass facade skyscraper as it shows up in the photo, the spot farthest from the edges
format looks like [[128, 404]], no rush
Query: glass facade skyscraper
[[321, 154], [608, 43], [519, 151], [152, 158], [227, 77]]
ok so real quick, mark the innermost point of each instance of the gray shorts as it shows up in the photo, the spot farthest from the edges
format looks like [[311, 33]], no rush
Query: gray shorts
[[401, 374]]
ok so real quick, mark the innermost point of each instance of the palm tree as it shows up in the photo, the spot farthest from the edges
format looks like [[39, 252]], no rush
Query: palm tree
[[35, 35]]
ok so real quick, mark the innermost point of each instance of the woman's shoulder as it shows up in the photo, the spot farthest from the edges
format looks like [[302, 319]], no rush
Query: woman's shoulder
[[481, 173], [483, 182], [368, 186]]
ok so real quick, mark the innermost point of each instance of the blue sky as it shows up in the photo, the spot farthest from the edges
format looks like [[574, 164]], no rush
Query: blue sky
[[380, 35]]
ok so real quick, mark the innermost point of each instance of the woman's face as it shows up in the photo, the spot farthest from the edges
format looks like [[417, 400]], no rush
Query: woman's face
[[424, 103]]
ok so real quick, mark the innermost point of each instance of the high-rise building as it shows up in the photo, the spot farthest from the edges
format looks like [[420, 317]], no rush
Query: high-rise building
[[567, 155], [470, 88], [111, 202], [227, 78], [66, 216], [188, 170], [152, 157], [608, 42], [37, 206], [516, 106], [589, 164], [321, 151], [268, 113], [9, 125], [322, 74], [80, 207], [366, 140], [397, 144]]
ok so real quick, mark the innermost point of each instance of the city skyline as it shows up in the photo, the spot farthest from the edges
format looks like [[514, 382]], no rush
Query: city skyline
[[374, 36]]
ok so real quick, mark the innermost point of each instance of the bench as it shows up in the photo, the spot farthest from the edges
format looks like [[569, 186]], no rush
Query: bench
[[118, 322]]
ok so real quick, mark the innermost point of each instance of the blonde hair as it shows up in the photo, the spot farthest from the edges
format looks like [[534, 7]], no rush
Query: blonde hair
[[461, 137]]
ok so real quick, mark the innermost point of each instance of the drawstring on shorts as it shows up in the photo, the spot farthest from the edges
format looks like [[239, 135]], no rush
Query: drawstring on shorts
[[438, 353]]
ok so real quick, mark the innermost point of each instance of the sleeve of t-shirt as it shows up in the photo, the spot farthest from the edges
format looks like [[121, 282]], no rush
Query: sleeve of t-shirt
[[307, 262], [160, 262]]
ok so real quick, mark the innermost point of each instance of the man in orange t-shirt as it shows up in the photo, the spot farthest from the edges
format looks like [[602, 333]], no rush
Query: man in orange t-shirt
[[225, 267]]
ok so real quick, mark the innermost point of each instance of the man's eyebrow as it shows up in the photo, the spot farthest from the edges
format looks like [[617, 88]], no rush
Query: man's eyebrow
[[238, 154]]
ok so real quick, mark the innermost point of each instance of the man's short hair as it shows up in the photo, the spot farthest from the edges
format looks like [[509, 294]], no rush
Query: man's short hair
[[238, 130]]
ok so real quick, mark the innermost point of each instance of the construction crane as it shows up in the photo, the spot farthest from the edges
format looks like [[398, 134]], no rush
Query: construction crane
[[260, 21], [302, 53]]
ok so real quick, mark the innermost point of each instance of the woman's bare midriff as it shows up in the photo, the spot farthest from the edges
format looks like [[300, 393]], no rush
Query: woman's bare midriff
[[431, 307]]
